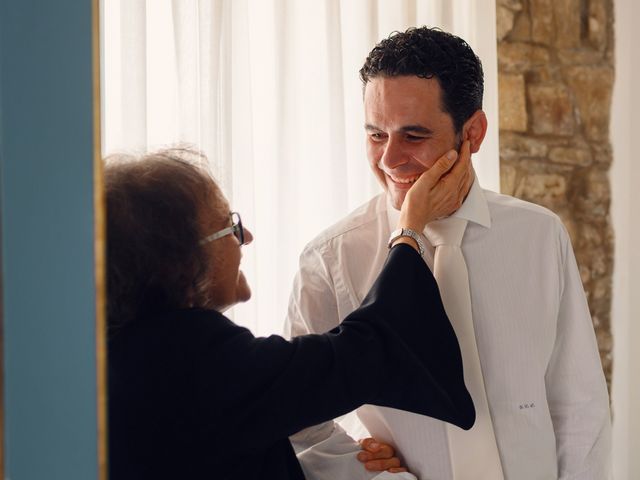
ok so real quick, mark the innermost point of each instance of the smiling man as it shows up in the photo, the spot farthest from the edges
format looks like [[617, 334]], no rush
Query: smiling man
[[408, 130], [508, 278]]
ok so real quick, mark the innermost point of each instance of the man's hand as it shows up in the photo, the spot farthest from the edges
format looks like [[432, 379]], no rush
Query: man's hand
[[378, 457]]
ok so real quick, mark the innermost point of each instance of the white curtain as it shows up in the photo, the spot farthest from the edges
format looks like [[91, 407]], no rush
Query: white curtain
[[269, 91]]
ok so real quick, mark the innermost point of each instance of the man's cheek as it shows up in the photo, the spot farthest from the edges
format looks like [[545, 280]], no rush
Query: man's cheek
[[425, 159], [379, 174]]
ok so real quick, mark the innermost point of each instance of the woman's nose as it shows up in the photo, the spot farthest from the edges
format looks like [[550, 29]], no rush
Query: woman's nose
[[248, 236]]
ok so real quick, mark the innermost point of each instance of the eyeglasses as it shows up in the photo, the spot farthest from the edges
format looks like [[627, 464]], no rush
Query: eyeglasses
[[235, 228]]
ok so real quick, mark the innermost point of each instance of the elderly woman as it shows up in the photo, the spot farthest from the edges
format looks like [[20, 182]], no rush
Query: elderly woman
[[194, 396]]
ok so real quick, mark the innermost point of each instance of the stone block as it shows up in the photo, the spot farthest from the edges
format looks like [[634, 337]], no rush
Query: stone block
[[593, 196], [602, 152], [571, 156], [521, 31], [592, 87], [597, 24], [601, 307], [601, 289], [514, 146], [520, 56], [542, 74], [508, 175], [567, 19], [598, 187], [567, 217], [512, 102], [504, 21], [551, 110], [590, 236], [543, 188], [580, 57], [542, 25], [585, 274], [515, 5], [599, 265], [605, 340]]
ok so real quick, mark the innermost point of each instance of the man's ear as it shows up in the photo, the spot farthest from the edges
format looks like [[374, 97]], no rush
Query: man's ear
[[475, 129]]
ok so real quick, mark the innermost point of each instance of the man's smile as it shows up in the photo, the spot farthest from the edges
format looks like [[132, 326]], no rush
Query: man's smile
[[402, 180]]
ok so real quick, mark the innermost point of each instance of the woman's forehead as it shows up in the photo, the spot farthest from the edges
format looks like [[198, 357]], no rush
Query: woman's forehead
[[217, 207]]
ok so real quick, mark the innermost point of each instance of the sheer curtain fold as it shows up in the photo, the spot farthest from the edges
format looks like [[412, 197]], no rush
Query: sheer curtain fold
[[269, 91], [134, 80], [124, 74]]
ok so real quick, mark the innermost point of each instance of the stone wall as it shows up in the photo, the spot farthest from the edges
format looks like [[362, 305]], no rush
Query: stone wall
[[555, 61]]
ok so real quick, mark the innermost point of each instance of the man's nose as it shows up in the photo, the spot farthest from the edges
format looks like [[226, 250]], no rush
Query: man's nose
[[393, 155]]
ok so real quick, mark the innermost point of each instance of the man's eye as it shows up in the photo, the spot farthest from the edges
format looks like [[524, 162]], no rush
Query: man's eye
[[414, 138], [377, 137]]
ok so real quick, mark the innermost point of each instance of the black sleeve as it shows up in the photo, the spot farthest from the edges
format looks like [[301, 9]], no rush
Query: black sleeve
[[398, 350]]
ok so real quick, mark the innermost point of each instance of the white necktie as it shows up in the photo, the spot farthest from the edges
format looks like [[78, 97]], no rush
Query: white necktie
[[474, 453]]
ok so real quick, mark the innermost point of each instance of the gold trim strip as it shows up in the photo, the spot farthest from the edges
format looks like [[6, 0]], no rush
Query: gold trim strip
[[100, 254]]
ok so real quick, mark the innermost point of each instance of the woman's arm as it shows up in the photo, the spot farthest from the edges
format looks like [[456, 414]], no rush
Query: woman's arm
[[397, 350]]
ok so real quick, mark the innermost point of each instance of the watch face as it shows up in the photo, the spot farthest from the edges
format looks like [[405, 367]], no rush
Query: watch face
[[407, 232], [394, 236]]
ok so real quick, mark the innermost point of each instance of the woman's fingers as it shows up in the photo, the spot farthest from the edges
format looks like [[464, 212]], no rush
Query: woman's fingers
[[454, 186], [465, 157], [439, 191], [431, 177], [462, 173]]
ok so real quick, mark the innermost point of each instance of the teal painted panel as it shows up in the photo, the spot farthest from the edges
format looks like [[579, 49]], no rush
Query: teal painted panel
[[46, 155]]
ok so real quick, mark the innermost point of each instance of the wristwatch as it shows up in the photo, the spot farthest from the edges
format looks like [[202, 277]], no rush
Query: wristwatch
[[407, 232]]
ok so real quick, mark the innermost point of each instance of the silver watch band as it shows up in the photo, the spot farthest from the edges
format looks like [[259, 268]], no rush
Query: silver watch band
[[407, 232]]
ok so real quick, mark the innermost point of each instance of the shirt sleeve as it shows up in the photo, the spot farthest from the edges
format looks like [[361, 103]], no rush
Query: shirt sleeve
[[313, 306], [576, 387], [335, 457], [312, 298]]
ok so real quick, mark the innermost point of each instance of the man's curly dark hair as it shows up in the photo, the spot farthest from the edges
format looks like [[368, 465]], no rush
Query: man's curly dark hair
[[431, 53]]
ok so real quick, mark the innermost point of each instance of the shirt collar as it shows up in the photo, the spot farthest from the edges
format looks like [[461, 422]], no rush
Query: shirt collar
[[474, 208]]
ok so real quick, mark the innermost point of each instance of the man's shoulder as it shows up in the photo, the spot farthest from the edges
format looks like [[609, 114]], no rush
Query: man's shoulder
[[508, 209], [356, 224]]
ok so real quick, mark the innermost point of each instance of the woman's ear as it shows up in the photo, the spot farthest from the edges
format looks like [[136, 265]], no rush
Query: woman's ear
[[475, 129]]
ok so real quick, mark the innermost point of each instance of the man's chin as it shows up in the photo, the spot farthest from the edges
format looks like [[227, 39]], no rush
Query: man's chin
[[396, 198]]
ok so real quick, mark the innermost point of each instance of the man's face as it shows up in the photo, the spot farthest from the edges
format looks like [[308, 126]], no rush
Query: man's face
[[407, 131]]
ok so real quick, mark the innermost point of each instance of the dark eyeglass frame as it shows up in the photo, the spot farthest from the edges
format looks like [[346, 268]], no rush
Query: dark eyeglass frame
[[236, 229]]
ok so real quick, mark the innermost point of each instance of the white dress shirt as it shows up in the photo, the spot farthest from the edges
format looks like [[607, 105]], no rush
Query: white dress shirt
[[543, 377]]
